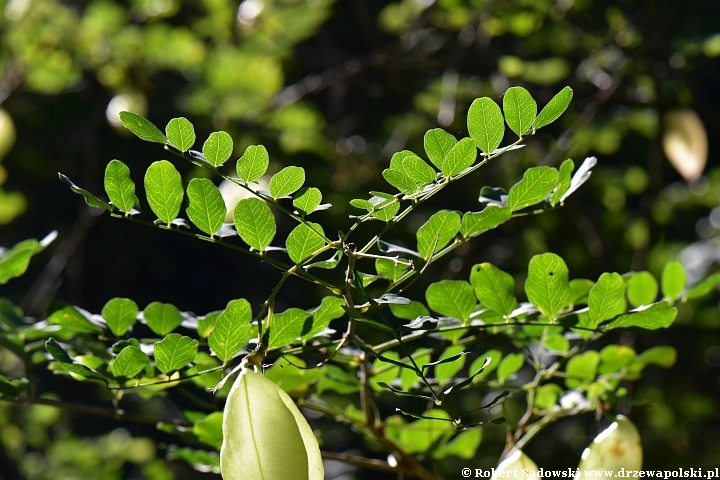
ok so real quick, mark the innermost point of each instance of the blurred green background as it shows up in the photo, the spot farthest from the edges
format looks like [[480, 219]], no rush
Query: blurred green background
[[337, 87]]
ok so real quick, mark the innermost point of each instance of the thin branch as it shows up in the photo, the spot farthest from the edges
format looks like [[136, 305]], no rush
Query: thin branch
[[369, 463]]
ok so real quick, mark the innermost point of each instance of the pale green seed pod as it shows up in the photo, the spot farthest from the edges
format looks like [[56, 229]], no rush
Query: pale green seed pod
[[616, 447], [517, 462], [265, 436]]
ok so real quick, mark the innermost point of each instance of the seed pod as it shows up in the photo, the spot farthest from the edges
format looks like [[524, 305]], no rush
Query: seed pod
[[685, 143], [616, 447], [264, 434], [517, 462]]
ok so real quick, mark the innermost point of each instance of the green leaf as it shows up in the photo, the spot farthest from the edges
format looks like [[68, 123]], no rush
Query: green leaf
[[510, 365], [536, 184], [253, 164], [555, 107], [660, 315], [57, 351], [232, 330], [415, 168], [452, 298], [547, 395], [387, 211], [495, 357], [615, 357], [463, 446], [494, 288], [476, 223], [388, 268], [460, 157], [400, 180], [642, 289], [254, 223], [174, 352], [206, 324], [421, 435], [520, 109], [438, 144], [120, 314], [330, 308], [485, 124], [286, 327], [448, 370], [384, 372], [361, 204], [703, 287], [606, 299], [409, 311], [90, 199], [14, 262], [291, 378], [564, 181], [209, 429], [581, 369], [68, 317], [437, 232], [547, 284], [307, 200], [180, 133], [580, 290], [673, 280], [129, 362], [663, 356], [144, 129], [164, 190], [217, 148], [162, 318], [119, 187], [287, 181], [206, 208], [304, 240]]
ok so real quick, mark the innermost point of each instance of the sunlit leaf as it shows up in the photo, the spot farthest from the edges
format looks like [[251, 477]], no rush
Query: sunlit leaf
[[547, 284], [494, 288], [232, 330], [180, 133], [555, 107], [174, 352], [141, 127], [510, 365], [304, 240], [286, 182], [307, 200], [389, 268], [119, 187], [254, 222], [206, 208], [463, 446], [447, 370], [437, 232], [452, 298], [129, 362], [253, 164], [520, 109], [438, 144], [673, 280], [90, 199], [217, 148], [15, 261], [460, 157], [536, 184], [581, 369], [163, 187], [485, 124], [606, 299], [120, 314], [162, 318], [564, 179], [69, 317], [400, 180], [642, 289], [660, 315], [476, 223], [287, 326]]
